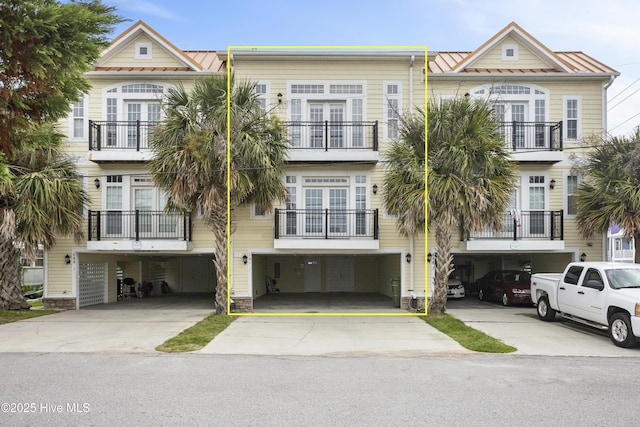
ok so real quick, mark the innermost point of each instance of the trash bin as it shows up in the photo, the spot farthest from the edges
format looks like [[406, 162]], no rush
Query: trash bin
[[395, 291]]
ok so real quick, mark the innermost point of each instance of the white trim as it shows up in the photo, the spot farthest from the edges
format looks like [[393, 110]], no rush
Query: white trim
[[386, 98], [565, 193], [254, 215], [514, 52], [266, 95], [149, 50], [565, 119], [85, 120]]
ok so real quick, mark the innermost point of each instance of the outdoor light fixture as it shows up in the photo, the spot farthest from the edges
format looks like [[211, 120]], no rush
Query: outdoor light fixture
[[583, 257], [97, 182], [552, 184], [245, 259], [429, 257], [67, 259], [279, 98], [408, 257], [375, 188]]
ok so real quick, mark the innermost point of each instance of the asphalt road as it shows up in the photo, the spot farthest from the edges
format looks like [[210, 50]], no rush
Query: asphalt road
[[57, 389]]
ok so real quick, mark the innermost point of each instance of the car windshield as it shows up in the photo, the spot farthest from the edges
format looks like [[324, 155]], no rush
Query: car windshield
[[624, 278]]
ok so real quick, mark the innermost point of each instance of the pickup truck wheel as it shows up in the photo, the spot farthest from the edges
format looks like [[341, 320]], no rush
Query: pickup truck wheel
[[505, 299], [480, 294], [545, 312], [620, 331]]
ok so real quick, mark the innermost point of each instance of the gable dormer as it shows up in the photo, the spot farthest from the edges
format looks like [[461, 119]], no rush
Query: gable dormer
[[512, 49], [140, 48]]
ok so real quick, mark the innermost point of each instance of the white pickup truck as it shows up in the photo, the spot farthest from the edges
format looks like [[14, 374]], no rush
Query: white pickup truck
[[600, 294]]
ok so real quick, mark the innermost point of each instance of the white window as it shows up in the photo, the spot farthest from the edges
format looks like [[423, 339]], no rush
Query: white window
[[509, 52], [572, 188], [572, 111], [143, 51], [258, 212], [262, 92], [392, 108], [37, 262], [79, 121]]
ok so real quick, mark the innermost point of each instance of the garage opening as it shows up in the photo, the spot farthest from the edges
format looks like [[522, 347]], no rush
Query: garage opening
[[126, 277], [324, 283]]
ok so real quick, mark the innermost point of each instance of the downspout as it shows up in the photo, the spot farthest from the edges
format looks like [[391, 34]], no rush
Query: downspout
[[412, 264], [605, 86], [413, 59]]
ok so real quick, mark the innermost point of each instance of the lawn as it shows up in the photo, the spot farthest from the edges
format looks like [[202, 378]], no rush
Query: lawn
[[15, 315], [197, 336], [469, 338]]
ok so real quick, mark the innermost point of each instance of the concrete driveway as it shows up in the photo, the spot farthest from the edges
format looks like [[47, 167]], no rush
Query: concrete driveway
[[520, 327], [386, 336], [129, 326]]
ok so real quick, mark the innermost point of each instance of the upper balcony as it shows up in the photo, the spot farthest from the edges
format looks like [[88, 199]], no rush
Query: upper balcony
[[333, 141], [523, 231], [533, 141], [138, 230], [128, 141], [326, 229]]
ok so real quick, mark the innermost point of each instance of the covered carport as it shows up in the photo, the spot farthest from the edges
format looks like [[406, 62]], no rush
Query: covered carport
[[112, 278], [324, 282]]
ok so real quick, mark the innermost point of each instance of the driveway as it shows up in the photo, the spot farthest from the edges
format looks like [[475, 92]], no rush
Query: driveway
[[520, 327], [129, 326], [386, 336]]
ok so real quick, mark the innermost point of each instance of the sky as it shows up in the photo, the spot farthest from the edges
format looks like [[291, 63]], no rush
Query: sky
[[606, 30]]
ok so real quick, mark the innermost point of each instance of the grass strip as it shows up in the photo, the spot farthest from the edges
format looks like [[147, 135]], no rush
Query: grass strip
[[469, 338], [10, 316], [197, 336]]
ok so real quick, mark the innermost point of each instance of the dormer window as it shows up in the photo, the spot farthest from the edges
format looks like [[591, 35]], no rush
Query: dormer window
[[510, 52], [143, 50]]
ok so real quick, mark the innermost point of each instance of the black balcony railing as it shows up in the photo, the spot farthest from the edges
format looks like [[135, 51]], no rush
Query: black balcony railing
[[326, 223], [139, 225], [548, 225], [330, 135], [528, 136], [133, 135]]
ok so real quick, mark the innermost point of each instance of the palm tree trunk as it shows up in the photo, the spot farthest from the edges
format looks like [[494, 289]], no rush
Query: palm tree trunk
[[444, 259], [219, 228], [11, 296]]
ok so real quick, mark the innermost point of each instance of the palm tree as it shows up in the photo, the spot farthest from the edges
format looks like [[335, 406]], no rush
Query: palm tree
[[610, 191], [41, 196], [190, 160], [469, 174]]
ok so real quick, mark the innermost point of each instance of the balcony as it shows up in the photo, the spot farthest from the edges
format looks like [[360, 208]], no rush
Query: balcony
[[526, 231], [326, 229], [138, 230], [120, 141], [533, 141], [333, 141]]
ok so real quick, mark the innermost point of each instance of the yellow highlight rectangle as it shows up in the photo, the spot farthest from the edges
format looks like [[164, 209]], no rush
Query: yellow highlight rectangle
[[228, 233]]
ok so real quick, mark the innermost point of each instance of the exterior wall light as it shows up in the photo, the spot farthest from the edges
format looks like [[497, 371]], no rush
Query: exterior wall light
[[67, 259], [552, 184], [97, 182], [408, 257], [245, 259], [279, 98], [375, 188], [583, 257]]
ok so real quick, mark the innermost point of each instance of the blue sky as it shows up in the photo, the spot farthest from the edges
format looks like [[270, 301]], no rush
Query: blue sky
[[606, 30]]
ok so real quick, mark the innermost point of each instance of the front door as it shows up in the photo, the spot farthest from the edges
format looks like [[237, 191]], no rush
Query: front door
[[334, 112], [143, 205], [326, 207], [312, 275], [339, 274], [513, 115], [139, 115], [534, 200]]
